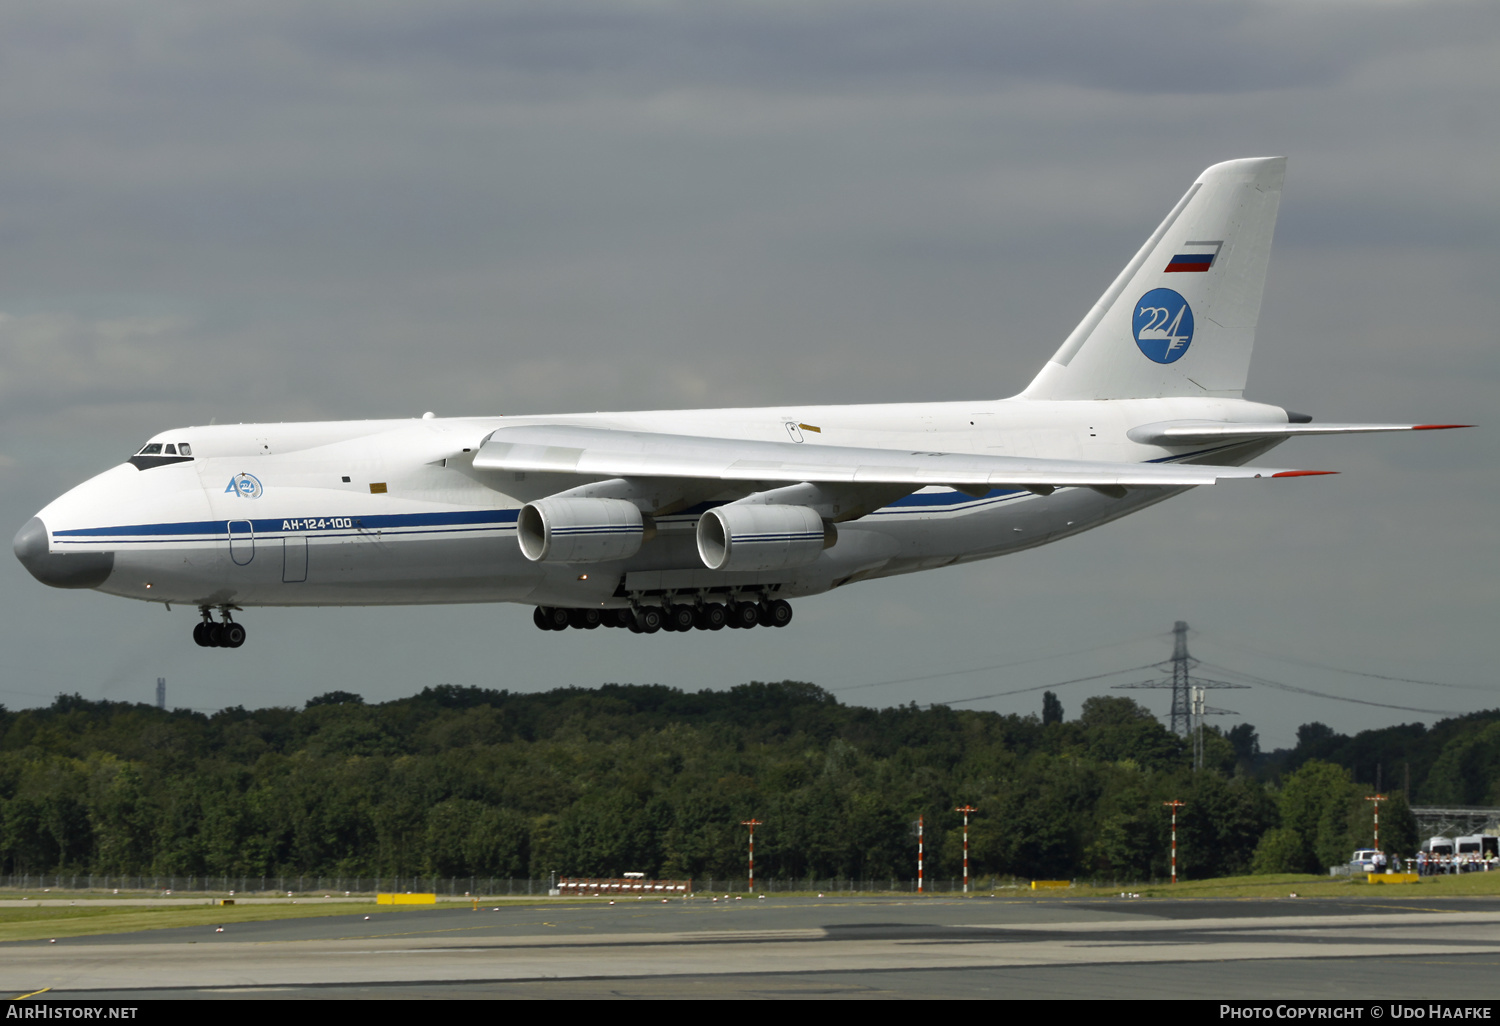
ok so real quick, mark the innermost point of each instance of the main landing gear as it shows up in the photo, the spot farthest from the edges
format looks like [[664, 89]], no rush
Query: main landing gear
[[227, 634], [710, 616]]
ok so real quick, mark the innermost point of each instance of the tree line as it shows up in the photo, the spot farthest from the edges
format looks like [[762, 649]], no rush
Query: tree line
[[461, 781]]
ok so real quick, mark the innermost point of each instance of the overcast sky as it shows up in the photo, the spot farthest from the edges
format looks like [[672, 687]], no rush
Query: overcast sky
[[289, 211]]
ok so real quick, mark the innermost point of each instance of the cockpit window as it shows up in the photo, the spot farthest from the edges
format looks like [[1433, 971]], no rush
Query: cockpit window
[[162, 454]]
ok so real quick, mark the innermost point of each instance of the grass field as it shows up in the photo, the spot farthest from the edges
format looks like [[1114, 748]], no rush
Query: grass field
[[45, 922], [1304, 886]]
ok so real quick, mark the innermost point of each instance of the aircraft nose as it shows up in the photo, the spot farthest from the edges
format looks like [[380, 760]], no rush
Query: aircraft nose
[[60, 569]]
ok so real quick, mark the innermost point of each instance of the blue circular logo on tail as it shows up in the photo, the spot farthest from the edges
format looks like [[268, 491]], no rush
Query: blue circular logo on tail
[[1163, 325]]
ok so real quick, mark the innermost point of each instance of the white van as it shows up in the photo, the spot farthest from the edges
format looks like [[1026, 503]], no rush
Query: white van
[[1478, 846]]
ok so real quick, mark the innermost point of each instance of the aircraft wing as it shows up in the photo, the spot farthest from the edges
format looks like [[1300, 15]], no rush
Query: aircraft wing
[[1201, 432], [603, 452]]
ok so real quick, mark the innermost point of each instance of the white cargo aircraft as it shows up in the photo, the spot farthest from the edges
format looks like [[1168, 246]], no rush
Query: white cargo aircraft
[[683, 519]]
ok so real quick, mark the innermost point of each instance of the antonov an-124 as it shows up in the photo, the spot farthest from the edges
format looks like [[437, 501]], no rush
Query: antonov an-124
[[703, 519]]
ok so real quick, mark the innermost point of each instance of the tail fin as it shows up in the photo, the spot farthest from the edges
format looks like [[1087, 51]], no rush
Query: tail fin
[[1180, 319]]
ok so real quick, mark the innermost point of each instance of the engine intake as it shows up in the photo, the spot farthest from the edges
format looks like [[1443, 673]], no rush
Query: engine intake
[[756, 537], [562, 530]]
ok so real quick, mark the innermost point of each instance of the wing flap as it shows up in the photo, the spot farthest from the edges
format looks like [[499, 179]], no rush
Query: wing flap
[[602, 452]]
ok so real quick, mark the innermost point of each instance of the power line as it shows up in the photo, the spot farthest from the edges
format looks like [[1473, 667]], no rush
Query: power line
[[1298, 661], [1043, 687], [1278, 685], [1004, 666]]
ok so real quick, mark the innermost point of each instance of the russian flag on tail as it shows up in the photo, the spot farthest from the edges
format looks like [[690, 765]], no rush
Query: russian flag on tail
[[1196, 256]]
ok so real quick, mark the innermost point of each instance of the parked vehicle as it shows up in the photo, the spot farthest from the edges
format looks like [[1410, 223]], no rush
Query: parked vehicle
[[1478, 846]]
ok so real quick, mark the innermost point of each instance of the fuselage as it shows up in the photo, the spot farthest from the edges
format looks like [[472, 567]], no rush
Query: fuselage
[[394, 511]]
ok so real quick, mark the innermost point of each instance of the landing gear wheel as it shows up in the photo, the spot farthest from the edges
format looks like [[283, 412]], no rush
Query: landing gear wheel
[[778, 613], [583, 619], [200, 634], [232, 635], [539, 617], [744, 615], [682, 617], [649, 619], [712, 617], [557, 617], [213, 633]]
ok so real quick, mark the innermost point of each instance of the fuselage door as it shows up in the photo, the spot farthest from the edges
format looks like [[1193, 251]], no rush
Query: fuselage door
[[294, 559], [241, 541]]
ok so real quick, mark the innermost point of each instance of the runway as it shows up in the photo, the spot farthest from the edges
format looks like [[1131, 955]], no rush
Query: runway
[[782, 947]]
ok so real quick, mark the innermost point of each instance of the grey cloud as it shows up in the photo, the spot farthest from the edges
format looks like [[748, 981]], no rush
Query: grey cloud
[[1167, 46]]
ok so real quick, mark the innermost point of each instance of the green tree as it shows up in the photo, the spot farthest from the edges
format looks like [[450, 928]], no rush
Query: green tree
[[1283, 850], [1316, 801], [1052, 710]]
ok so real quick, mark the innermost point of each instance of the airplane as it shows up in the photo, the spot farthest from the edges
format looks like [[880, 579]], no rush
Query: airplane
[[677, 520]]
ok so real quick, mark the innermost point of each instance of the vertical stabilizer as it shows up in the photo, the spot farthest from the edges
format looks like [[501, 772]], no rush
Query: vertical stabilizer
[[1180, 319]]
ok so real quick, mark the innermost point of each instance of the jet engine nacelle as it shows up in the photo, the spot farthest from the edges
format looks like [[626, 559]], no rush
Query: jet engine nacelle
[[754, 537], [566, 530]]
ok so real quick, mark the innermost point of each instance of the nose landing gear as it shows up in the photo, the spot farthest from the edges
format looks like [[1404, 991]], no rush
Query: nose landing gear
[[227, 634]]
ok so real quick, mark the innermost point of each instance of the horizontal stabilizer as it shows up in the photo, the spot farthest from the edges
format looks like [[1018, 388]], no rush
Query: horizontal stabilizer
[[606, 453], [1201, 432]]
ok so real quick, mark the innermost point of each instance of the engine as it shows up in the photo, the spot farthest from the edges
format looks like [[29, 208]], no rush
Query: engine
[[567, 530], [754, 537]]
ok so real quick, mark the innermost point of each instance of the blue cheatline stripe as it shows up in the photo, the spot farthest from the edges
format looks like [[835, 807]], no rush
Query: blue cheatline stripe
[[958, 501], [600, 529], [379, 522]]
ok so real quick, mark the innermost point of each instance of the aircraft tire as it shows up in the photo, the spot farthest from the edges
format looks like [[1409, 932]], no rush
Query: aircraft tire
[[232, 635], [539, 617], [744, 615], [214, 634], [682, 617], [200, 635], [763, 614], [650, 620], [592, 618], [713, 617], [779, 612]]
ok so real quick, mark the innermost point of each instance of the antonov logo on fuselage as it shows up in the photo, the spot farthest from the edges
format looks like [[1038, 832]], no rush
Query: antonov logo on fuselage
[[1163, 325], [246, 486]]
